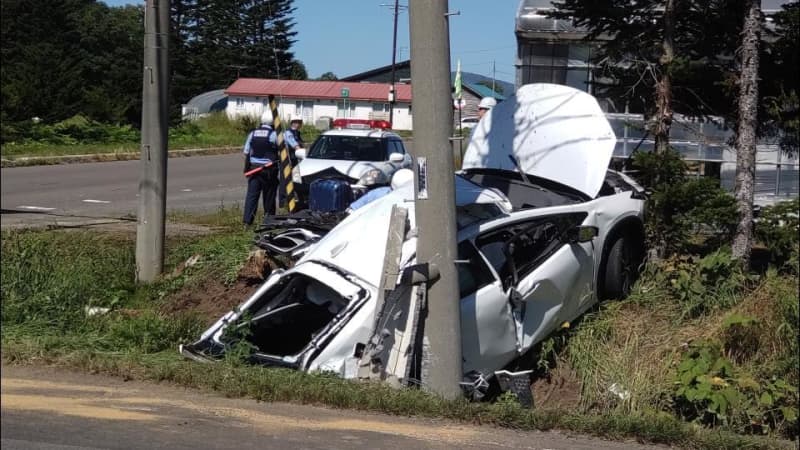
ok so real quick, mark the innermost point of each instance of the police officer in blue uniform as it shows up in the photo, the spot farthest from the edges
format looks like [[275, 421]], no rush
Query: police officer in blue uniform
[[261, 151]]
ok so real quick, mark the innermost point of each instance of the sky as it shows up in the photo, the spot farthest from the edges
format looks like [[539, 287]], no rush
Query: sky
[[347, 37]]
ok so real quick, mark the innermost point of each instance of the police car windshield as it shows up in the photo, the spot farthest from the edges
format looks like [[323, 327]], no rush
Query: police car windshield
[[348, 148]]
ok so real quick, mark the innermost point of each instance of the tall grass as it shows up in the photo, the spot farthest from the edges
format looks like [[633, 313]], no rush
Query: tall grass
[[48, 278]]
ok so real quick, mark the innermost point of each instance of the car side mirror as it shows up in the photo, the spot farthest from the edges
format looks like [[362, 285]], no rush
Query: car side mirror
[[418, 274], [300, 153], [581, 234], [396, 158]]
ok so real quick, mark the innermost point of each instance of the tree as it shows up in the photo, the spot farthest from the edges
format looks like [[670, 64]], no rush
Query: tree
[[328, 76], [746, 134], [65, 57], [779, 116], [298, 71]]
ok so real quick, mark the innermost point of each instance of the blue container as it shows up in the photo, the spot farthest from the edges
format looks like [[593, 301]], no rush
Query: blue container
[[329, 195]]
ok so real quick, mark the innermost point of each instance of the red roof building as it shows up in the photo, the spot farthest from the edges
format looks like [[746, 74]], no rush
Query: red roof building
[[373, 92], [319, 102]]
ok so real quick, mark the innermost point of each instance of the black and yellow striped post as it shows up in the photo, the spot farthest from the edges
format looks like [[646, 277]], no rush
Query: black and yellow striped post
[[286, 162]]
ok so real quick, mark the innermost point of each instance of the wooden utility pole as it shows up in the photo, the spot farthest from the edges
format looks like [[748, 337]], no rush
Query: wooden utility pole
[[435, 190], [155, 122]]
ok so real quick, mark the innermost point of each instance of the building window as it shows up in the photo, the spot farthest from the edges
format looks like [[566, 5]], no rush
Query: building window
[[239, 103], [380, 107], [345, 109]]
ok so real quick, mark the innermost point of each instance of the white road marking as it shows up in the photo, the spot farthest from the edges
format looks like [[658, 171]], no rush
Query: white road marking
[[88, 200], [35, 208], [186, 190]]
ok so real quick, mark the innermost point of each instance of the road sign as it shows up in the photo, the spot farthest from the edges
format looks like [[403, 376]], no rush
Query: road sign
[[345, 92], [459, 103]]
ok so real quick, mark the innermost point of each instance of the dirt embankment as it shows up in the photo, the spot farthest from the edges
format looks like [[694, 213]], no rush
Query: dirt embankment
[[211, 298]]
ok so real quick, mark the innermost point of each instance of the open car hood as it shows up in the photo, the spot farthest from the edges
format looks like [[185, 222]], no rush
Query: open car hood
[[554, 132]]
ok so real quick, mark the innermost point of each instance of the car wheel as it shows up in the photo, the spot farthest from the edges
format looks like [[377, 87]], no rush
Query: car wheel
[[621, 268]]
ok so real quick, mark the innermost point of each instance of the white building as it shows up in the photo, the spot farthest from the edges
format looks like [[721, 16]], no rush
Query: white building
[[320, 100]]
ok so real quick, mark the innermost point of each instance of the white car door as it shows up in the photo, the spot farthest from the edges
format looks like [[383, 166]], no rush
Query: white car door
[[546, 277], [488, 331]]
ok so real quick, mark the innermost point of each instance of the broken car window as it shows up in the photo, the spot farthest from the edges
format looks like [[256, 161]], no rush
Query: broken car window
[[514, 251], [473, 273]]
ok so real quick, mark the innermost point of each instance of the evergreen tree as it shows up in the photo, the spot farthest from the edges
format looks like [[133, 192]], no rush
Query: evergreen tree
[[67, 57], [746, 133], [779, 65], [328, 76]]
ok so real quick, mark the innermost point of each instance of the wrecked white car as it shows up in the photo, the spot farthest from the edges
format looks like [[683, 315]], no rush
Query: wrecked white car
[[544, 231]]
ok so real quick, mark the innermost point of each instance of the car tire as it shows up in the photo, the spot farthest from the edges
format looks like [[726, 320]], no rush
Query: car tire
[[620, 268]]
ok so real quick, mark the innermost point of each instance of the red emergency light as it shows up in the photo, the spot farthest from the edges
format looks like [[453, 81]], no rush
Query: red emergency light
[[362, 124]]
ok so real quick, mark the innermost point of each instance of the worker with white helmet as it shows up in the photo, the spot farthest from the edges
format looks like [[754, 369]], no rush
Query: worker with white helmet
[[485, 105], [261, 152], [400, 178]]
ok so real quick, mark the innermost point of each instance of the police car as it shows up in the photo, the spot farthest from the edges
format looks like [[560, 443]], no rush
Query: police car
[[365, 158]]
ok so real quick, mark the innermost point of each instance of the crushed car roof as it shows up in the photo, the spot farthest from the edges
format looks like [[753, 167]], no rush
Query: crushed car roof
[[554, 132]]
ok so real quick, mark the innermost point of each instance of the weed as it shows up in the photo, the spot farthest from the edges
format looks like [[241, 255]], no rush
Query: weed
[[710, 390], [49, 278], [703, 285], [777, 228]]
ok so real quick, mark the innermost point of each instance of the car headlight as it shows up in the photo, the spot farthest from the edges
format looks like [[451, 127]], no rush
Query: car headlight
[[296, 177], [373, 177]]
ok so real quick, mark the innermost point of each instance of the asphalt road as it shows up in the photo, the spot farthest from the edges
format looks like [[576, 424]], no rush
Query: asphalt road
[[51, 409], [87, 192]]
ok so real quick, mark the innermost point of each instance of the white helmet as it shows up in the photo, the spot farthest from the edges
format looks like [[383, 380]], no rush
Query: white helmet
[[266, 117], [402, 177], [296, 118], [487, 103]]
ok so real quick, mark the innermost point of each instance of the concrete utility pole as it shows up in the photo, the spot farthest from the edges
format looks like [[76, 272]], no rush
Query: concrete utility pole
[[435, 189], [155, 117]]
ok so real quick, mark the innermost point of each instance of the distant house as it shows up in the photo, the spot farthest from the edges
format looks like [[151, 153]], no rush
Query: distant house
[[205, 103], [472, 92], [360, 96], [319, 100]]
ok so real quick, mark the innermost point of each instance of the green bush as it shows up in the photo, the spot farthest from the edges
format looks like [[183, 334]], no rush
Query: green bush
[[679, 208], [777, 228], [75, 130], [705, 284]]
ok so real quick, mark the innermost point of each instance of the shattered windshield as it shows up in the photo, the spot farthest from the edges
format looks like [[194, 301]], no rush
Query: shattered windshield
[[349, 148]]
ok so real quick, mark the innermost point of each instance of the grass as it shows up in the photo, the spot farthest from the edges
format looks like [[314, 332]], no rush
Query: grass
[[48, 277], [214, 131]]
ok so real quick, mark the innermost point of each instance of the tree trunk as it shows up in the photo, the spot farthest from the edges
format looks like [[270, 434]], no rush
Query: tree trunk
[[746, 135], [664, 84]]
